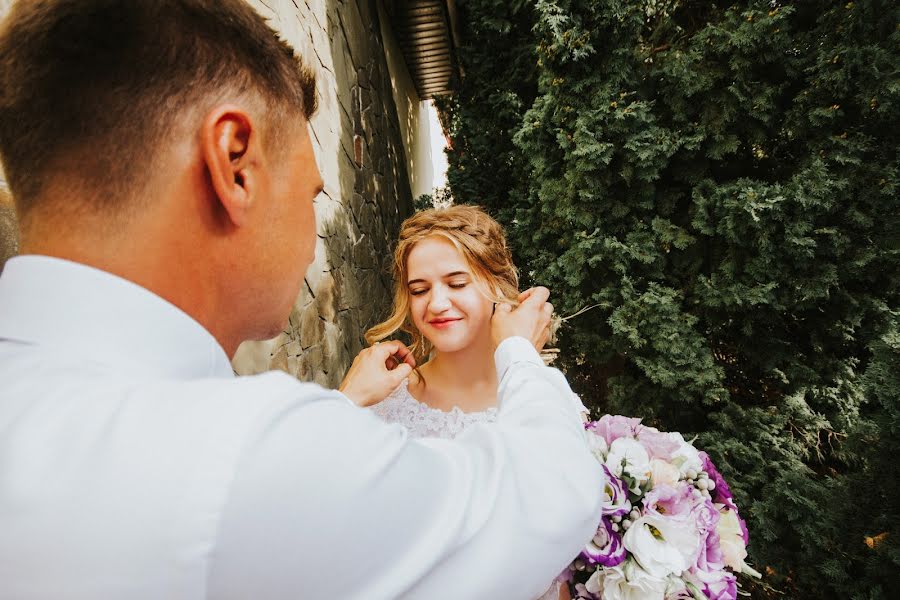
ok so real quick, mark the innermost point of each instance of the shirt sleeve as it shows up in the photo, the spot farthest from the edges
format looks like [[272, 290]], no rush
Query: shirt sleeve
[[330, 502]]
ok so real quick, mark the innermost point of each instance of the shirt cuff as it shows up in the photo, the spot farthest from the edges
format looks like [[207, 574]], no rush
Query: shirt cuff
[[349, 401], [514, 350]]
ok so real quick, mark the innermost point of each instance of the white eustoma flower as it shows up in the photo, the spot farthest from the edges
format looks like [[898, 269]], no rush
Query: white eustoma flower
[[627, 581], [662, 546], [628, 457], [686, 457]]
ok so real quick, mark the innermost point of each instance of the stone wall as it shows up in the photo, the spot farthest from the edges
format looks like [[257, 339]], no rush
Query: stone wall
[[360, 148]]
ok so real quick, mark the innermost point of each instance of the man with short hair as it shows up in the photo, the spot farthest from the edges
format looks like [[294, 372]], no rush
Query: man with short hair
[[163, 175]]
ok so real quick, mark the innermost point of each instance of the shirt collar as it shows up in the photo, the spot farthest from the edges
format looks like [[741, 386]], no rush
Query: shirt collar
[[72, 307]]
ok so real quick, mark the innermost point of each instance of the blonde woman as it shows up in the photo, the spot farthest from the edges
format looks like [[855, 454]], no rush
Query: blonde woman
[[452, 267]]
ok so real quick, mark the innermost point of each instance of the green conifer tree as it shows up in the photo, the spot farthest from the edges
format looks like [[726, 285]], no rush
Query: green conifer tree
[[719, 179]]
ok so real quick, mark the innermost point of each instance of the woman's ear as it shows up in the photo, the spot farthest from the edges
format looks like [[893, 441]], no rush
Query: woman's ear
[[230, 144]]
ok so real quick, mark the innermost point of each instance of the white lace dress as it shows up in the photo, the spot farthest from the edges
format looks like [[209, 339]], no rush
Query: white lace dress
[[423, 421]]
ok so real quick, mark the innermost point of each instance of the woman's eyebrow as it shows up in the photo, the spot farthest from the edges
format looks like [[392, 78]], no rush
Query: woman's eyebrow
[[447, 276]]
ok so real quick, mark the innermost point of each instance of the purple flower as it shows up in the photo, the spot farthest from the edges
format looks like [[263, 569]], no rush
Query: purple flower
[[709, 555], [658, 444], [581, 593], [669, 502], [606, 548], [716, 584], [613, 427], [722, 589], [743, 525], [615, 501], [722, 493], [681, 594], [705, 515]]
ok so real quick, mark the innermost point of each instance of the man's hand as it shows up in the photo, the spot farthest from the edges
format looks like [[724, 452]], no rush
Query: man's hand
[[530, 320], [376, 371]]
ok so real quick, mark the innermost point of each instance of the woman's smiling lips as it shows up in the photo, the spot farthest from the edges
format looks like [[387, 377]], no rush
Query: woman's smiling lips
[[443, 323]]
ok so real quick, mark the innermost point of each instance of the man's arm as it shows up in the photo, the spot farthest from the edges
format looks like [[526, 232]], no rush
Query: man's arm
[[331, 502]]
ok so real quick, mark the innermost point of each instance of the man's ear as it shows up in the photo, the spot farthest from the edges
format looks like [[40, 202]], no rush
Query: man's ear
[[230, 142]]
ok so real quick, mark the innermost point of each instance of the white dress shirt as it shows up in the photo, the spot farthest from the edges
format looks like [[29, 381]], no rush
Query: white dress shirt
[[134, 465]]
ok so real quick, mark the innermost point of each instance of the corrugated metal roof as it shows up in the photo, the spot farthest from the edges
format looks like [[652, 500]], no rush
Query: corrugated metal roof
[[424, 29]]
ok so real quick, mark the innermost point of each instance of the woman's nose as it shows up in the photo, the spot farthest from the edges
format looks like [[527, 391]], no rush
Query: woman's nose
[[440, 301]]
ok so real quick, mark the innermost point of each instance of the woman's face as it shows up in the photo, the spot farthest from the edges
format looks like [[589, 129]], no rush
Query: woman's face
[[446, 304]]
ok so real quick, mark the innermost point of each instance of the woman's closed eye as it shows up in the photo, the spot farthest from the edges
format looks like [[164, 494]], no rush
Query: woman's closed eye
[[456, 285]]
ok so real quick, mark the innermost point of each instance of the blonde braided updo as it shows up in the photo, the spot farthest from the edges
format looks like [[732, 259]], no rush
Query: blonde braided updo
[[481, 242]]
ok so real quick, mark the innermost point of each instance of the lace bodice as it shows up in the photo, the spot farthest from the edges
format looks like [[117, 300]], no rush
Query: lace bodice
[[423, 421]]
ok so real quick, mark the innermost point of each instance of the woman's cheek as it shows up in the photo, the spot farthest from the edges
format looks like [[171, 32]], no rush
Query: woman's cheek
[[416, 309]]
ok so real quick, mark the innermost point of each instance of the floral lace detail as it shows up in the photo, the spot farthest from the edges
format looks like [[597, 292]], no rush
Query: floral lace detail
[[424, 421]]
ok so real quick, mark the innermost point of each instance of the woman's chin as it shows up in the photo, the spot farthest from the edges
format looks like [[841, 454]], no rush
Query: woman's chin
[[447, 346]]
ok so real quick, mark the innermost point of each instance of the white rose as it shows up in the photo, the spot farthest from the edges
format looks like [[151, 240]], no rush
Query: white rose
[[661, 545], [627, 581], [628, 456], [731, 540], [663, 472], [686, 458]]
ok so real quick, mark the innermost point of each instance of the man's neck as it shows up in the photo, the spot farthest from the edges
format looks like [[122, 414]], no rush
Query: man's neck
[[150, 262]]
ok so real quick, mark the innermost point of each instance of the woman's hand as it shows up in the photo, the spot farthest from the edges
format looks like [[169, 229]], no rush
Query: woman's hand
[[376, 372]]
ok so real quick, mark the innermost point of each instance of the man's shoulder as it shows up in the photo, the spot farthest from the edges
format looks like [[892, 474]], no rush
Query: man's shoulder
[[272, 390], [273, 382]]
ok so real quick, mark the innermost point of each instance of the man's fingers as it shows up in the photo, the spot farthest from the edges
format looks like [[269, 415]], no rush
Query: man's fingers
[[537, 296], [394, 350], [405, 356], [400, 373], [542, 340], [389, 347], [504, 308]]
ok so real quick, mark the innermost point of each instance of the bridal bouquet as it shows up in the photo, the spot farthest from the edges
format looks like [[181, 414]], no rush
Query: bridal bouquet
[[670, 529]]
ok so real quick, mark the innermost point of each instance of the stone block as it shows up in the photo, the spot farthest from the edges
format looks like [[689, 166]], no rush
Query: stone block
[[280, 360], [362, 78], [313, 361], [359, 151], [312, 328], [363, 253], [293, 348], [325, 299], [352, 30]]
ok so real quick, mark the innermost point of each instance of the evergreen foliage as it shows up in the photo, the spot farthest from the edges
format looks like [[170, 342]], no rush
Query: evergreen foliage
[[719, 178]]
